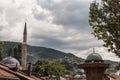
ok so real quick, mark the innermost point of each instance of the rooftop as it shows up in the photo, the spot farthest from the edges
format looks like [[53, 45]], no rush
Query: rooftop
[[94, 57], [10, 61]]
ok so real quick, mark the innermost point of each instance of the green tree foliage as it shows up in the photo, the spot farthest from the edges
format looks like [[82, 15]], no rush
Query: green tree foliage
[[105, 20], [46, 68], [68, 65], [56, 69], [10, 53], [117, 67], [1, 50], [15, 51]]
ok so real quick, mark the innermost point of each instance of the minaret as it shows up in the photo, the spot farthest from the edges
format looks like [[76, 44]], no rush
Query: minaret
[[24, 48]]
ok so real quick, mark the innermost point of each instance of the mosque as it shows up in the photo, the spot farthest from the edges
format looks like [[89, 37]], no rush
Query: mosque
[[10, 68], [11, 60]]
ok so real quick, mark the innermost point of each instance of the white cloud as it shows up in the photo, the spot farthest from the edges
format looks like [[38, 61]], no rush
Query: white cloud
[[59, 24], [102, 51]]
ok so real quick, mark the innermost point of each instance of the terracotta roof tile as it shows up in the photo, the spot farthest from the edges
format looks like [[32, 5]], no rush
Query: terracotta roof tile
[[5, 74], [116, 77]]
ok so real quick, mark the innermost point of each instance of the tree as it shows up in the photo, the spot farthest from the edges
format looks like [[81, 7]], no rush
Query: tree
[[40, 66], [10, 53], [15, 51], [56, 69], [46, 68], [1, 50], [104, 18]]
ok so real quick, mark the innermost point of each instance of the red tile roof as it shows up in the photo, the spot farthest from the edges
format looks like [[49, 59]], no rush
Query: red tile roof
[[116, 77], [4, 70], [5, 74]]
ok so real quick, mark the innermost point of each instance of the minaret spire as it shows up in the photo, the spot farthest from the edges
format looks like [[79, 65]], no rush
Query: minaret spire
[[24, 48], [25, 33], [25, 29]]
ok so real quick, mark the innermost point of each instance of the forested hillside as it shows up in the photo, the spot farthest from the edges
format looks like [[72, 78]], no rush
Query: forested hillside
[[35, 52]]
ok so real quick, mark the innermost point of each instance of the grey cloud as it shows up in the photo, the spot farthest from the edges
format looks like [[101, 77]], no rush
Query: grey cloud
[[81, 45], [49, 41], [68, 31], [1, 10], [69, 13], [1, 27], [13, 16], [39, 15], [57, 43]]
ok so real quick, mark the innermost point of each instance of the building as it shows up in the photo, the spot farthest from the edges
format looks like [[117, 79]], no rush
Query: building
[[24, 48], [94, 67], [10, 68]]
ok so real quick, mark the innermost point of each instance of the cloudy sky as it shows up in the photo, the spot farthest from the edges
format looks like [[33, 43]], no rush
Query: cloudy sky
[[58, 24]]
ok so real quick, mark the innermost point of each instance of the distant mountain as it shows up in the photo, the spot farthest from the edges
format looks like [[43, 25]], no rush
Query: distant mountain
[[113, 63], [35, 52]]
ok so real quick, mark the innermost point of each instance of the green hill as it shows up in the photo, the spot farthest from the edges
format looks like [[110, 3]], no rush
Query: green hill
[[36, 52]]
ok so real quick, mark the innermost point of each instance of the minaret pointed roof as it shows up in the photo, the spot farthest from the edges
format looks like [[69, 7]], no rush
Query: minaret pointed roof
[[25, 29]]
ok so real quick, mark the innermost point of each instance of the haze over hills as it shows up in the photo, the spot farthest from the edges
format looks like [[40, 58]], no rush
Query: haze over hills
[[37, 52]]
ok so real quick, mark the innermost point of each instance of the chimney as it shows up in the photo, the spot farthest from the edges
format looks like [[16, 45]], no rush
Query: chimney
[[29, 69]]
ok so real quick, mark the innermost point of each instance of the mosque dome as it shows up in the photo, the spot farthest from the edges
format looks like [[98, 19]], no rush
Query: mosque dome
[[94, 57], [10, 61]]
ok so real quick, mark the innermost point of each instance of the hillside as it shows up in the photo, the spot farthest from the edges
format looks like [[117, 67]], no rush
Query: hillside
[[35, 52]]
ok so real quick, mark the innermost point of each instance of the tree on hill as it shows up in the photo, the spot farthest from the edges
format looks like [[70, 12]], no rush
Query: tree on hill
[[1, 50], [104, 18], [15, 52]]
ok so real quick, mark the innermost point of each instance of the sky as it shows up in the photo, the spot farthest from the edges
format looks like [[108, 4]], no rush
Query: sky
[[58, 24]]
